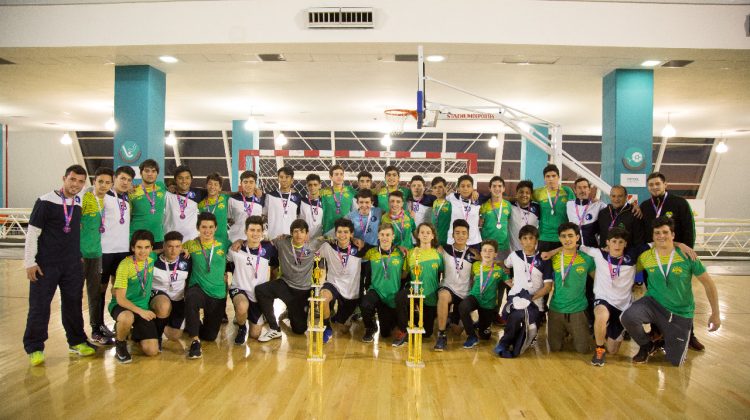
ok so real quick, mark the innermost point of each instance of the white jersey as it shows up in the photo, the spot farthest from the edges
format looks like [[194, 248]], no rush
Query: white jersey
[[467, 210], [421, 210], [181, 212], [457, 276], [240, 208], [252, 267], [116, 235], [613, 278], [171, 277], [520, 217], [311, 211], [585, 214], [530, 273], [282, 209], [344, 268]]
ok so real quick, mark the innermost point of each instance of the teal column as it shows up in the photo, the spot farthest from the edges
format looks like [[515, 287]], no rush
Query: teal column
[[627, 129], [534, 159], [242, 139], [139, 111], [3, 167]]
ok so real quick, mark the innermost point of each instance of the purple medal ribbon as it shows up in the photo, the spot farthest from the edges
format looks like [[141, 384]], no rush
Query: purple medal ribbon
[[336, 199], [482, 282], [585, 211], [141, 275], [122, 205], [615, 216], [344, 260], [564, 274], [151, 200], [313, 207], [183, 205], [68, 215], [101, 214], [661, 205], [614, 271], [248, 209]]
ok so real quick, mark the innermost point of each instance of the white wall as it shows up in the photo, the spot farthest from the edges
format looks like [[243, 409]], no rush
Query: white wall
[[728, 195], [36, 165]]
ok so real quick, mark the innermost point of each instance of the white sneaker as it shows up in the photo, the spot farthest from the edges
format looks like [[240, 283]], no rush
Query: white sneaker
[[269, 335]]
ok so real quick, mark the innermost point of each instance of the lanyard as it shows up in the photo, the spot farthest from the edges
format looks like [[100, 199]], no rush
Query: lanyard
[[615, 271], [208, 204], [399, 226], [436, 213], [455, 260], [525, 212], [183, 205], [530, 267], [585, 211], [313, 207], [483, 283], [299, 254], [68, 215], [466, 207], [564, 274], [285, 201], [248, 209], [661, 205], [337, 199], [415, 204], [553, 204], [669, 264], [344, 259], [615, 216], [209, 257], [101, 213], [385, 262], [150, 199], [257, 259], [498, 213], [122, 205], [173, 275], [362, 226], [141, 275]]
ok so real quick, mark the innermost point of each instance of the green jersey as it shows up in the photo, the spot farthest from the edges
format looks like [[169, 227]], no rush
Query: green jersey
[[673, 291], [569, 295], [147, 209], [335, 205], [403, 227], [385, 270], [495, 222], [209, 261], [441, 219], [383, 197], [485, 284], [219, 207], [554, 210], [92, 209], [432, 265], [136, 281]]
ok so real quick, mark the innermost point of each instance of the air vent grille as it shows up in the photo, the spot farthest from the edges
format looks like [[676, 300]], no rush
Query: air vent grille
[[340, 18]]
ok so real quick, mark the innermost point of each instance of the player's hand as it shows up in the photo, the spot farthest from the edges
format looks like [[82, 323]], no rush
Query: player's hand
[[547, 255], [403, 250], [185, 254], [714, 322], [258, 192], [33, 273], [474, 196], [475, 253], [147, 315], [236, 245], [637, 212], [690, 252], [358, 243]]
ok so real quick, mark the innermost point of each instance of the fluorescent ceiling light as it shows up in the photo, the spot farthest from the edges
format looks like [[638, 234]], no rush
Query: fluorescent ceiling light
[[386, 141], [168, 59], [66, 139], [722, 147], [111, 124], [435, 58], [280, 140], [171, 139], [651, 63], [493, 143]]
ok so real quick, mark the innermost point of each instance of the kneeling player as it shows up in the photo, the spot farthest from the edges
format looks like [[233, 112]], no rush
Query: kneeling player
[[168, 293], [129, 305]]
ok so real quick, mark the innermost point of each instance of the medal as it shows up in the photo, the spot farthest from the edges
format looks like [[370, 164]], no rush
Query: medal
[[141, 275], [661, 205], [150, 199], [183, 205], [614, 271], [248, 209], [337, 200], [209, 257], [122, 205], [344, 259], [68, 215], [498, 213], [553, 204], [102, 229]]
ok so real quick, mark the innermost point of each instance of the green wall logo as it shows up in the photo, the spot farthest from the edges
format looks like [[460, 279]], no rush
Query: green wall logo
[[634, 159], [129, 152]]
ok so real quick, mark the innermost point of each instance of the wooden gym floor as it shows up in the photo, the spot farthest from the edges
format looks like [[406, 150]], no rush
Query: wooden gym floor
[[358, 380]]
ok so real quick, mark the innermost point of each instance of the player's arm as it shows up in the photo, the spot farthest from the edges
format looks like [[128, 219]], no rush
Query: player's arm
[[714, 321], [33, 232], [548, 275]]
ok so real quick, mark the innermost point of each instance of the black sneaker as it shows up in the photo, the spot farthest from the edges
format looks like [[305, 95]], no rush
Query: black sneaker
[[600, 355], [121, 352], [241, 335], [643, 353], [103, 330], [368, 337], [195, 350]]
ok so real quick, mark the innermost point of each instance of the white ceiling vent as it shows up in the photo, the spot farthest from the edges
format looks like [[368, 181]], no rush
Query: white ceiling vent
[[340, 18]]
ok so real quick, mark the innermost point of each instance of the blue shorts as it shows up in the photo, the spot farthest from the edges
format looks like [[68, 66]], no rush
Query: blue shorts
[[614, 326]]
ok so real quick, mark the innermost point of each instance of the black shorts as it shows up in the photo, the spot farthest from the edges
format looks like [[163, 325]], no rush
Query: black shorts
[[455, 316], [254, 314], [142, 329], [110, 262], [614, 326], [177, 314], [346, 307]]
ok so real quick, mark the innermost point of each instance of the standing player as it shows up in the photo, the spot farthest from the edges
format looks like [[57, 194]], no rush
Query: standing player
[[93, 216], [243, 205], [392, 180], [147, 203], [494, 215], [420, 204], [217, 204], [584, 212], [441, 210], [282, 206], [366, 219], [621, 214], [171, 271], [669, 303], [181, 210], [337, 200], [311, 208], [129, 306], [457, 260], [552, 199], [523, 212], [464, 205], [52, 258], [364, 181], [402, 223], [206, 287]]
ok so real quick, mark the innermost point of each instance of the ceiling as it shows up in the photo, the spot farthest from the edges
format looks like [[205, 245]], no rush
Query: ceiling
[[347, 86]]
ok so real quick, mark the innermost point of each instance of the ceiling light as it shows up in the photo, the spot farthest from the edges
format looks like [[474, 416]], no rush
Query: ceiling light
[[111, 124], [168, 59], [251, 124], [668, 131], [722, 147], [66, 139], [493, 143], [651, 63], [386, 141], [435, 58], [171, 139], [280, 140]]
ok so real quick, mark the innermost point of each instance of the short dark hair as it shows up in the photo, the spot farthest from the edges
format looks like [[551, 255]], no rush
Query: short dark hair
[[396, 193], [460, 223], [363, 174], [173, 236], [205, 216], [392, 168], [581, 179], [490, 242], [659, 175], [497, 178], [363, 194], [624, 190], [567, 226], [125, 169], [248, 174], [417, 178], [345, 223], [438, 180], [335, 167], [434, 241], [663, 221], [180, 169], [525, 184], [312, 177], [551, 168], [215, 176], [298, 224], [103, 170], [76, 169], [465, 177], [141, 235], [384, 226], [528, 230], [254, 220], [286, 170], [148, 163], [619, 233]]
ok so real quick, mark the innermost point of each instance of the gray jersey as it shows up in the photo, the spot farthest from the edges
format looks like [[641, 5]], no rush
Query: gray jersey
[[296, 264]]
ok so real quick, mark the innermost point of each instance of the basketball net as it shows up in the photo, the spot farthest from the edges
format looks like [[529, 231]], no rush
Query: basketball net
[[397, 118]]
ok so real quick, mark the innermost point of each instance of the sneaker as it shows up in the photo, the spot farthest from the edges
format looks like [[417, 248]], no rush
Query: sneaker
[[368, 337], [400, 338], [657, 345], [241, 335], [103, 330], [36, 358], [83, 349], [599, 356], [100, 339], [195, 350], [486, 334], [121, 352], [643, 353], [269, 335], [499, 349], [695, 344], [327, 334], [471, 342], [442, 342]]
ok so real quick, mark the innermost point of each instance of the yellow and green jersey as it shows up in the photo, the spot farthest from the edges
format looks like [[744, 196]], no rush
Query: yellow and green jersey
[[441, 219], [209, 261], [495, 222], [383, 197], [136, 278], [219, 207], [569, 295], [432, 265], [486, 282], [144, 214], [554, 210], [673, 291], [403, 228], [385, 270], [92, 209], [336, 204]]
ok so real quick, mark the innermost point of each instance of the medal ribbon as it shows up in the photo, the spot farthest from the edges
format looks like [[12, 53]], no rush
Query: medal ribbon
[[68, 215], [344, 260], [455, 260], [141, 275], [209, 257], [661, 205], [362, 226], [385, 262], [298, 254], [257, 259], [285, 201], [483, 283], [614, 271], [101, 213], [151, 200], [615, 216], [529, 268], [549, 199], [313, 207], [248, 209], [585, 211], [183, 205], [564, 274], [337, 199], [436, 213], [669, 264], [122, 205], [498, 213]]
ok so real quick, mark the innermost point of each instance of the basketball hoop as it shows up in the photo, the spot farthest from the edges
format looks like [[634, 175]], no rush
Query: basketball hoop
[[397, 118]]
